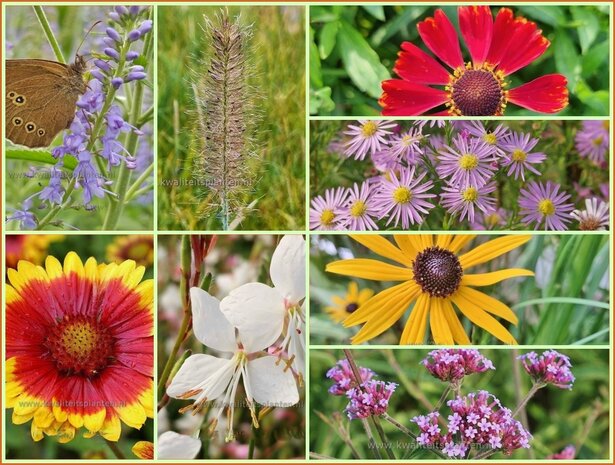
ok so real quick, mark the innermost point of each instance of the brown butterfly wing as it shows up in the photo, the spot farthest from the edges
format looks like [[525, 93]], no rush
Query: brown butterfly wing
[[41, 96]]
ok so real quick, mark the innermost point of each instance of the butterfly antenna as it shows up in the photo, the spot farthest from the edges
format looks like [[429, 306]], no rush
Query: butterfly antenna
[[86, 36]]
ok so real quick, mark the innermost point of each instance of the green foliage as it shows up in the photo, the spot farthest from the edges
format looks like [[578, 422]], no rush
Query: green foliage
[[579, 38], [276, 199]]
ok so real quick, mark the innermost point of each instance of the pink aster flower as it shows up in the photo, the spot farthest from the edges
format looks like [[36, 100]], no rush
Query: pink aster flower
[[592, 141], [489, 220], [344, 379], [493, 138], [404, 198], [359, 209], [322, 211], [368, 137], [453, 364], [407, 146], [551, 367], [465, 201], [518, 156], [469, 162], [545, 204], [371, 398], [595, 217]]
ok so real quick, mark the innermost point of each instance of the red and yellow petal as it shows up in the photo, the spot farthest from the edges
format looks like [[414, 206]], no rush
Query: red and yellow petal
[[476, 25], [403, 98], [527, 44], [440, 37], [546, 94], [416, 66], [144, 450], [503, 29]]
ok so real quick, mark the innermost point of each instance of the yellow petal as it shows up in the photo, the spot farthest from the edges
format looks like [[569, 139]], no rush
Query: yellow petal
[[91, 269], [21, 419], [353, 290], [377, 303], [26, 404], [146, 291], [66, 433], [43, 417], [459, 334], [459, 241], [132, 414], [11, 294], [487, 279], [73, 264], [482, 319], [406, 245], [382, 320], [54, 267], [144, 450], [492, 249], [369, 269], [439, 327], [60, 414], [443, 240], [414, 331], [112, 428], [75, 419], [382, 247], [94, 421], [489, 304], [36, 432], [365, 295], [147, 401]]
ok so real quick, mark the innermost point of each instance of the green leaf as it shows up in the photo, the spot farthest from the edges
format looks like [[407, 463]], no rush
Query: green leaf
[[566, 57], [377, 11], [322, 14], [315, 69], [588, 26], [360, 61], [328, 35], [595, 58], [596, 100], [321, 100], [392, 27], [552, 15], [39, 156]]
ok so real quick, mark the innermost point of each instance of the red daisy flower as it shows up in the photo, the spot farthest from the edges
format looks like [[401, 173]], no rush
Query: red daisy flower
[[478, 87], [79, 347]]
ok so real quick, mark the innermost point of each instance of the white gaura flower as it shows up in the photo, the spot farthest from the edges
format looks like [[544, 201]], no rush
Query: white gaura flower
[[275, 313], [172, 445], [206, 378]]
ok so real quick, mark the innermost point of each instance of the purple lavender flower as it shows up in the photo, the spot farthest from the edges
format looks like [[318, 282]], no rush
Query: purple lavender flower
[[493, 138], [595, 217], [465, 200], [344, 378], [87, 178], [403, 198], [470, 162], [323, 214], [367, 138], [478, 419], [518, 156], [545, 204], [359, 209], [551, 367], [452, 365], [592, 141], [371, 398], [489, 220], [24, 216], [54, 191]]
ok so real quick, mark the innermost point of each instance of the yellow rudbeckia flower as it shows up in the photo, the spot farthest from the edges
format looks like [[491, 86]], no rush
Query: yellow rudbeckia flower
[[349, 303]]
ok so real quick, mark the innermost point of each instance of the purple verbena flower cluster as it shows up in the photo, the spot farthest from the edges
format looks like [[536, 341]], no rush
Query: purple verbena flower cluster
[[567, 453], [477, 420], [452, 365], [415, 174], [344, 378], [551, 367], [370, 398]]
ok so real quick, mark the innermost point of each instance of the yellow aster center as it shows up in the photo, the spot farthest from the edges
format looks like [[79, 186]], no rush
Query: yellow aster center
[[402, 195], [470, 194], [490, 138], [407, 140], [597, 141], [326, 217], [369, 128], [546, 207], [606, 125], [358, 209], [492, 220], [519, 155], [79, 339], [468, 161]]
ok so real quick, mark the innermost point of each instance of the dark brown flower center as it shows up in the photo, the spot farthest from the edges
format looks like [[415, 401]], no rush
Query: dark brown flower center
[[437, 271], [352, 307], [477, 92], [80, 345]]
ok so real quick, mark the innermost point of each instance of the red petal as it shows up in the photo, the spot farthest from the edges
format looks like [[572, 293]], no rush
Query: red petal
[[403, 98], [502, 32], [527, 44], [546, 94], [440, 36], [416, 66], [476, 24]]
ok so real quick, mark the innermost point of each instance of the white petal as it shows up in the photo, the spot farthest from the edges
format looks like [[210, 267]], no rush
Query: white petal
[[287, 268], [257, 311], [270, 384], [172, 445], [210, 326], [202, 371]]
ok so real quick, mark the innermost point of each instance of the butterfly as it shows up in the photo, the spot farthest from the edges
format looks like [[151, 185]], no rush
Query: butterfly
[[41, 97]]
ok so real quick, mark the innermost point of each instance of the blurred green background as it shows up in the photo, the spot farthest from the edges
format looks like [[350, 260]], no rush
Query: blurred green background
[[556, 417], [354, 48], [277, 71], [565, 267]]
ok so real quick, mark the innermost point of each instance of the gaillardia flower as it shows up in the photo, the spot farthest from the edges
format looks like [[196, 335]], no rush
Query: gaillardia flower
[[79, 347], [434, 276], [477, 87], [137, 247]]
